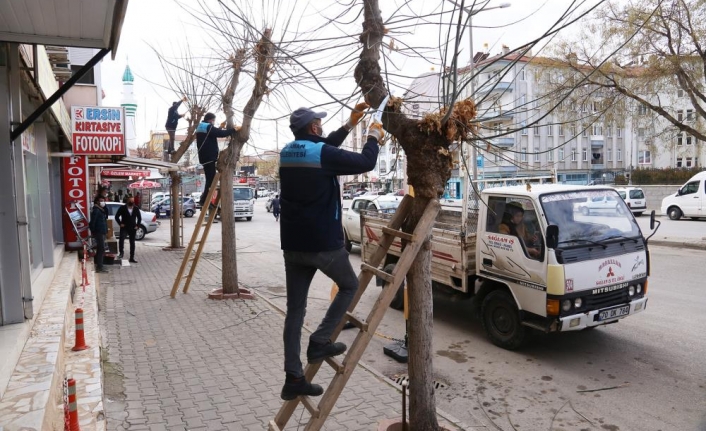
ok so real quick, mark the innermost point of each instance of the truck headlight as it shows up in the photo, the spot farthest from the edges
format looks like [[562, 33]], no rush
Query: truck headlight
[[631, 290], [639, 289], [578, 303], [566, 305]]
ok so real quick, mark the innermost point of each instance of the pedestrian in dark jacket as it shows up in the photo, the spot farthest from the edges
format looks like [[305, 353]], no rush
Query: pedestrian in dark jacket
[[207, 144], [311, 233], [275, 207], [129, 219], [99, 228], [173, 117]]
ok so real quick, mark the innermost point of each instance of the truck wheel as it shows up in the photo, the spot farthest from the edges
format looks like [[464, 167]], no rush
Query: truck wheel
[[248, 218], [347, 242], [584, 211], [501, 321], [398, 301], [638, 214], [674, 213]]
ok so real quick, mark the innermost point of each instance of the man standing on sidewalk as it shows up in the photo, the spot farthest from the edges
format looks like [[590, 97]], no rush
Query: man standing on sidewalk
[[99, 228], [311, 233], [129, 219]]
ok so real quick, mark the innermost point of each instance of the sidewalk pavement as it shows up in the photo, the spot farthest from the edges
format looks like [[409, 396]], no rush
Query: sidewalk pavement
[[199, 364]]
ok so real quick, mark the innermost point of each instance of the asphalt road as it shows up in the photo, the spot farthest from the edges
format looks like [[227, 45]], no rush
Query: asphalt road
[[647, 372]]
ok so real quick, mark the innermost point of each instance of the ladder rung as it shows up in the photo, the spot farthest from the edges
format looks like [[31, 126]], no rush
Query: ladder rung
[[272, 426], [398, 233], [185, 276], [337, 366], [378, 272], [363, 326], [309, 404]]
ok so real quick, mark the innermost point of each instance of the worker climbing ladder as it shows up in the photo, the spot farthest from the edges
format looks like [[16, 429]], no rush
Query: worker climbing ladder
[[198, 239], [343, 370]]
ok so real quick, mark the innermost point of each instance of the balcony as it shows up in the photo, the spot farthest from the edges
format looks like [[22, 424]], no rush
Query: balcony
[[597, 141], [495, 115], [503, 142], [497, 87]]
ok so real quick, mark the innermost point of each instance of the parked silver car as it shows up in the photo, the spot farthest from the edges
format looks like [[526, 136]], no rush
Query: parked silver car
[[188, 206], [149, 220]]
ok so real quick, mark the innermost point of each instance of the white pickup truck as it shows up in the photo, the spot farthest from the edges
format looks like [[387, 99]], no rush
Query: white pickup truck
[[568, 271]]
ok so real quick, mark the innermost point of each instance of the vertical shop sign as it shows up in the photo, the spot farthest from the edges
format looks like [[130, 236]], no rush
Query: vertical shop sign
[[75, 186]]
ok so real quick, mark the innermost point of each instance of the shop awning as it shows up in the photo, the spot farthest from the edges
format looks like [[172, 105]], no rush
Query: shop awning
[[80, 23], [135, 162]]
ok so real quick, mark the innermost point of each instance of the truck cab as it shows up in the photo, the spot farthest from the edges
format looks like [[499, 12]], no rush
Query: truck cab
[[543, 262], [531, 258], [243, 201]]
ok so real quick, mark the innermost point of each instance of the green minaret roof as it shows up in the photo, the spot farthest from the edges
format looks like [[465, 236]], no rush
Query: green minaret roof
[[127, 75]]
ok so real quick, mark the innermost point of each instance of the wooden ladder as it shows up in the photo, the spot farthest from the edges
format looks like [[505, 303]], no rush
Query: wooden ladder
[[343, 370], [191, 257]]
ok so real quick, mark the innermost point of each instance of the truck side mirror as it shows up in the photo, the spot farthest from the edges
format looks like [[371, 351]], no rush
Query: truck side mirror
[[652, 220], [552, 236]]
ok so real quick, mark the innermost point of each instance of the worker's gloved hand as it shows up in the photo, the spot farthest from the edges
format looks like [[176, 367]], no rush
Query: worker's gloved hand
[[376, 131], [184, 99], [223, 125], [235, 130], [357, 114]]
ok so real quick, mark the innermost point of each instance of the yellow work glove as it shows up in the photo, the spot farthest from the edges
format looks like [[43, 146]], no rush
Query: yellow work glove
[[223, 125], [357, 114], [184, 99], [376, 131]]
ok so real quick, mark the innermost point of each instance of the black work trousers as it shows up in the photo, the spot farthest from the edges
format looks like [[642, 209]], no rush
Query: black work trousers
[[100, 251], [209, 170], [130, 233]]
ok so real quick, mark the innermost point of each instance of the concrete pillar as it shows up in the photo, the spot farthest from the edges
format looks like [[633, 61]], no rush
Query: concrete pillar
[[15, 287], [45, 201]]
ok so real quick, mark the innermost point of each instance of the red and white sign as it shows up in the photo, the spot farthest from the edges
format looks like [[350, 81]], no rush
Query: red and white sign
[[98, 130], [124, 173], [75, 182]]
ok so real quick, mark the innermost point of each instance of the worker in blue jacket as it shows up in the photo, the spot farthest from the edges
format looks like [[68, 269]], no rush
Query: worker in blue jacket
[[311, 233], [207, 145]]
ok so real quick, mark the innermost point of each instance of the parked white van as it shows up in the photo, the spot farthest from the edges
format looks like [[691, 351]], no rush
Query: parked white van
[[688, 201]]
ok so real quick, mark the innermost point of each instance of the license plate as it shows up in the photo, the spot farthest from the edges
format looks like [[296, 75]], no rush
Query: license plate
[[614, 312]]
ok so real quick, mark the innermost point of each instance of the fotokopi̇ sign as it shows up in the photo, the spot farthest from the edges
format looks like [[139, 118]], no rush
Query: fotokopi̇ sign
[[98, 130]]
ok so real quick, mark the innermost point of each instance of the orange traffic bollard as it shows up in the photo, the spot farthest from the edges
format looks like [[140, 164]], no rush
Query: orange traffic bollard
[[73, 407], [80, 339]]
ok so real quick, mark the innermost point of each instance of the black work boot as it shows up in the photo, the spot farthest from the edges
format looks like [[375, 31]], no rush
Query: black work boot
[[317, 352], [294, 387]]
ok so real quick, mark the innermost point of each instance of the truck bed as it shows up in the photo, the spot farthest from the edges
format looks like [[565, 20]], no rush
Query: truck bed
[[453, 255]]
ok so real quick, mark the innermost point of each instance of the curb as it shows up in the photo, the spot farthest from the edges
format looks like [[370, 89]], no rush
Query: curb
[[445, 416], [678, 244]]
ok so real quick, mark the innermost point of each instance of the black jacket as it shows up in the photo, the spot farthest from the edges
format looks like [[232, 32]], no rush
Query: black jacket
[[310, 220], [99, 221], [207, 141], [173, 117], [130, 221]]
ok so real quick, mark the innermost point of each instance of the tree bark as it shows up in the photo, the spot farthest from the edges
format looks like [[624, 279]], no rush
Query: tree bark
[[229, 277], [175, 209], [422, 403]]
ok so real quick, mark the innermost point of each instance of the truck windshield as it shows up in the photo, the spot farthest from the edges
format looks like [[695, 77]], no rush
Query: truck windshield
[[589, 217], [242, 194]]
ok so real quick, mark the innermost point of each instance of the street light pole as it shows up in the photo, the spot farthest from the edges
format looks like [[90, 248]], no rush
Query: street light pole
[[474, 150]]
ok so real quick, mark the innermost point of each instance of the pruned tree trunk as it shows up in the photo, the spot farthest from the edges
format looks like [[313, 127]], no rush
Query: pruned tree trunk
[[175, 209], [426, 144], [229, 277], [227, 161]]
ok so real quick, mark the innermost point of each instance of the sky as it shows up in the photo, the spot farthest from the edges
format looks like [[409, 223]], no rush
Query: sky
[[165, 26]]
